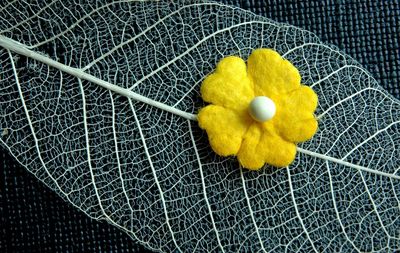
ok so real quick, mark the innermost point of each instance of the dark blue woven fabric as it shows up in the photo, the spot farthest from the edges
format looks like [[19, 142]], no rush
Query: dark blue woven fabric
[[34, 219]]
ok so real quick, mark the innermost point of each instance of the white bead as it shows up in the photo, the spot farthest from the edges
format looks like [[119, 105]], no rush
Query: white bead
[[262, 109]]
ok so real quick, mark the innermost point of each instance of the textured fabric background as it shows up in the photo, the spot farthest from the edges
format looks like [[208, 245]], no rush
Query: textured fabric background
[[34, 219]]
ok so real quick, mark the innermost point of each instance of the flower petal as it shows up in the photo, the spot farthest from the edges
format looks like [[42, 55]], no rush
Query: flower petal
[[278, 152], [272, 75], [225, 128], [249, 156], [262, 146], [229, 85], [295, 120]]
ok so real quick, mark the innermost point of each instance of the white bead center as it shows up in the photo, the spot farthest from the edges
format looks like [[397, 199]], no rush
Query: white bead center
[[262, 109]]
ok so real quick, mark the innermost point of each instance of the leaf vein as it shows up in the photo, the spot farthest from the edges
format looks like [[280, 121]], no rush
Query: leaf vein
[[154, 175], [204, 187]]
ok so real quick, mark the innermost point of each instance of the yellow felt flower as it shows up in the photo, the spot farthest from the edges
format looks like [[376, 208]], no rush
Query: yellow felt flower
[[232, 130]]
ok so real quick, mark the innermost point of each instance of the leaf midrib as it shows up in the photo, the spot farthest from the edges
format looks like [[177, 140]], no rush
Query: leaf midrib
[[22, 49]]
